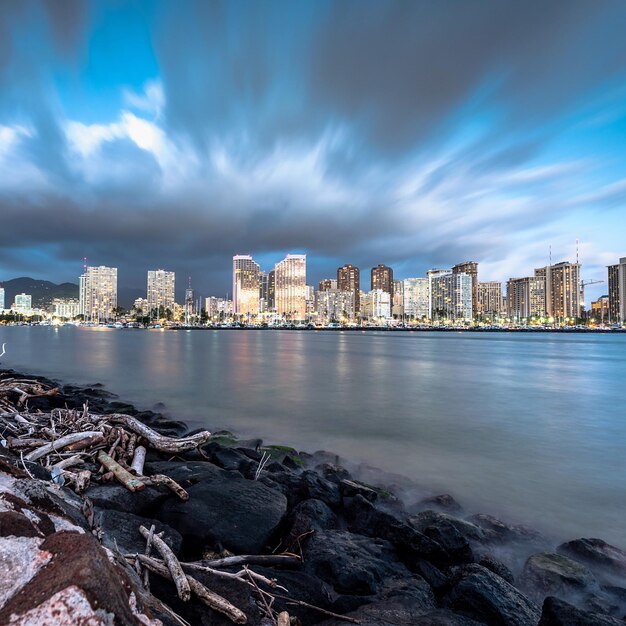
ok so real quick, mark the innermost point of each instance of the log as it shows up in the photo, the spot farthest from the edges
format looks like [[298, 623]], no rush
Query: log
[[208, 597], [15, 443], [172, 563], [124, 476], [161, 442], [139, 459], [69, 462], [59, 444], [253, 559], [88, 442], [170, 483]]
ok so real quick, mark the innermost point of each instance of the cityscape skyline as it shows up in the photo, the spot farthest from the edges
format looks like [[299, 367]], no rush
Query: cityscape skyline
[[482, 143]]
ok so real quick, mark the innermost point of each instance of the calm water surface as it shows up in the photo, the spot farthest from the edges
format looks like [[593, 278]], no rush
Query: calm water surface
[[532, 427]]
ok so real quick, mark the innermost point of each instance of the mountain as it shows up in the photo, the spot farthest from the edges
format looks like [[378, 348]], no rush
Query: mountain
[[42, 291]]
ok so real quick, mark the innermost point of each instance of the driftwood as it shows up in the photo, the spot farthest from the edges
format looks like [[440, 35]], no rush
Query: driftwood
[[59, 444], [170, 483], [253, 559], [208, 597], [161, 442], [173, 565], [139, 458], [122, 475]]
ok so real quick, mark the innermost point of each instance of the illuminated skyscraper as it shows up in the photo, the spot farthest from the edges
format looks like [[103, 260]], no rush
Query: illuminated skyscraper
[[160, 292], [245, 285], [433, 289], [382, 278], [333, 305], [327, 283], [349, 279], [290, 278], [450, 296], [416, 298], [1, 298], [562, 289], [526, 297], [490, 301], [471, 269], [397, 301], [98, 293], [617, 292]]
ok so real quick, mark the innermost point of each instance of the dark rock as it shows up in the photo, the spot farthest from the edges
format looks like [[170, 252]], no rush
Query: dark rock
[[601, 603], [455, 544], [486, 597], [304, 486], [275, 468], [366, 518], [188, 473], [251, 453], [117, 497], [121, 530], [228, 458], [431, 574], [554, 574], [399, 602], [501, 531], [351, 488], [557, 612], [498, 568], [433, 518], [334, 473], [352, 564], [122, 407], [307, 516], [292, 462], [444, 502], [242, 515], [596, 553]]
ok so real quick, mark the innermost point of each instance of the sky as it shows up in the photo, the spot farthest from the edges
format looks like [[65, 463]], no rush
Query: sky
[[419, 134]]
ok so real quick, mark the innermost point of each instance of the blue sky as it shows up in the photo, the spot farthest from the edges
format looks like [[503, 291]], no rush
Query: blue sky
[[417, 134]]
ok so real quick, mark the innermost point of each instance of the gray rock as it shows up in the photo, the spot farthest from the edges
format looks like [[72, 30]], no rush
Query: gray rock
[[597, 554], [550, 574], [486, 597], [497, 530], [432, 518], [498, 568], [557, 612], [443, 502], [225, 508]]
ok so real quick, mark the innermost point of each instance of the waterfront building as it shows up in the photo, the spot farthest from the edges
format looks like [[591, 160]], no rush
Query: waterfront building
[[264, 281], [490, 303], [98, 293], [562, 290], [526, 297], [1, 298], [327, 283], [600, 309], [416, 296], [376, 305], [451, 296], [382, 278], [66, 308], [23, 303], [140, 306], [189, 308], [617, 292], [271, 290], [397, 300], [218, 308], [432, 276], [310, 301], [160, 292], [290, 287], [245, 285], [334, 305], [471, 269], [349, 279]]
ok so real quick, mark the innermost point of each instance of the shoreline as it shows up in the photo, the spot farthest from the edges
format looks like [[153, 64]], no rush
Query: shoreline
[[442, 558]]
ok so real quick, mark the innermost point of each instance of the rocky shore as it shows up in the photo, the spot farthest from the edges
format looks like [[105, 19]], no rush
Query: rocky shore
[[317, 545]]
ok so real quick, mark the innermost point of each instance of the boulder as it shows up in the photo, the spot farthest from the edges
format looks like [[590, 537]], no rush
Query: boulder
[[500, 531], [597, 554], [484, 596], [554, 574], [309, 515], [368, 519], [497, 567], [228, 458], [452, 541], [223, 508], [427, 518], [117, 497], [121, 531], [557, 612], [443, 502], [352, 564], [351, 488]]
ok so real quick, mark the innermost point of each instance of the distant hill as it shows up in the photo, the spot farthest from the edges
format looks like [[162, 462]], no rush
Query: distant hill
[[42, 291]]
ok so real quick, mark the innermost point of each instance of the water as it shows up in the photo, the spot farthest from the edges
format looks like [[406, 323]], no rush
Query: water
[[531, 427]]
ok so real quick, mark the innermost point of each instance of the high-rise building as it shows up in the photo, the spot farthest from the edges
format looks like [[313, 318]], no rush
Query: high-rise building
[[140, 305], [310, 301], [526, 297], [327, 283], [471, 269], [271, 290], [376, 305], [451, 296], [382, 278], [98, 293], [245, 285], [189, 308], [432, 275], [23, 303], [416, 298], [218, 308], [67, 308], [290, 289], [264, 282], [1, 298], [334, 305], [349, 279], [161, 291], [562, 289], [397, 300], [600, 309], [614, 299], [490, 303]]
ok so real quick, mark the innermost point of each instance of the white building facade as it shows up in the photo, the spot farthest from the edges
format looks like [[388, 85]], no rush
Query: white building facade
[[98, 293]]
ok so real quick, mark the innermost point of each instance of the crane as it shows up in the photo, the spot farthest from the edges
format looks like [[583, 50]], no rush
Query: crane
[[584, 283]]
